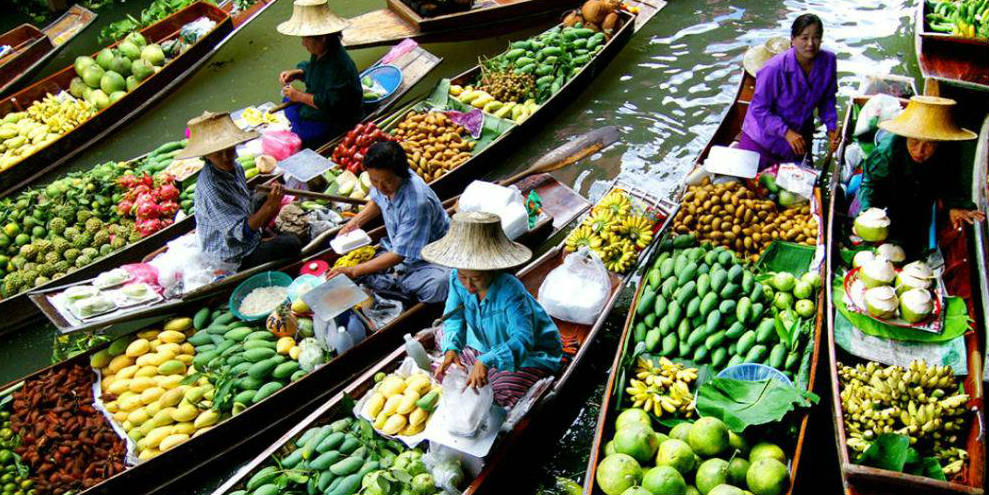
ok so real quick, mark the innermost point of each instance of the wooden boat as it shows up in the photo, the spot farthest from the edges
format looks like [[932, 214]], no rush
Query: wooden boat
[[485, 18], [532, 277], [63, 149], [859, 479], [445, 186], [33, 47], [956, 59], [726, 133], [414, 65], [561, 205]]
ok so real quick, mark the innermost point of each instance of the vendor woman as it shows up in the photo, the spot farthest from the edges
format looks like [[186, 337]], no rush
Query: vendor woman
[[413, 217], [912, 167], [229, 222], [779, 124], [332, 102], [495, 329]]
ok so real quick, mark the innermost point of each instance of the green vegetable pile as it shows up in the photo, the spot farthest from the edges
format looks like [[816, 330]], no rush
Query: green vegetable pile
[[703, 305], [343, 457], [552, 57], [158, 10], [13, 475], [968, 18]]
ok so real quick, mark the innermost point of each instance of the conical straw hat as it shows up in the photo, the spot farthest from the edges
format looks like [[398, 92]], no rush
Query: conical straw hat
[[211, 132], [312, 18], [476, 242], [757, 56], [927, 117]]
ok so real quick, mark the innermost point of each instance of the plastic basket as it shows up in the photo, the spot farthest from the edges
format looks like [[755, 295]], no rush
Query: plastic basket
[[753, 372], [388, 76], [263, 279]]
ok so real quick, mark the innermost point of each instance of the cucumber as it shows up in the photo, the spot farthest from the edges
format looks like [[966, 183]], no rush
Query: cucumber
[[298, 374], [261, 369], [266, 390], [728, 290], [683, 328], [341, 425], [224, 318], [725, 257], [736, 359], [727, 307], [308, 434], [695, 337], [666, 268]]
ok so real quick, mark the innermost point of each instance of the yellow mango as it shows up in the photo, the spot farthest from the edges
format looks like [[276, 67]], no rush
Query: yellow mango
[[148, 454], [206, 418], [151, 394], [156, 358], [120, 416], [142, 444], [129, 401], [141, 383], [137, 417], [411, 430], [185, 359], [172, 440], [172, 397], [379, 420], [147, 371], [106, 381], [127, 425], [418, 416], [186, 428], [163, 417], [294, 352], [119, 362], [194, 394], [119, 386], [184, 412], [155, 436], [136, 435], [172, 347], [146, 428], [148, 334], [392, 385], [127, 371], [153, 345], [178, 324], [111, 407], [419, 382], [187, 348], [394, 424], [201, 431], [374, 405], [284, 345], [138, 347], [172, 336], [408, 402], [169, 382], [153, 408], [391, 404]]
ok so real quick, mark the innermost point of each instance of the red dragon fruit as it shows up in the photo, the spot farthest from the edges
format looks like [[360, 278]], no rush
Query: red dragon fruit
[[168, 192]]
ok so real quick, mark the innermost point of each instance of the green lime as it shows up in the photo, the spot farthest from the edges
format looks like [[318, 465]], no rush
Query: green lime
[[4, 240], [38, 231], [22, 239], [7, 478], [11, 229]]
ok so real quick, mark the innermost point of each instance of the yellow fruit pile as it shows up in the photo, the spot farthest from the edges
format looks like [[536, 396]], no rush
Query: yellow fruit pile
[[142, 388], [402, 405], [663, 387], [355, 257], [615, 230]]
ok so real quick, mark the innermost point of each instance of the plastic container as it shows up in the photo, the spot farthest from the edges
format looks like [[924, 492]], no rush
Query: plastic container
[[263, 279], [417, 352], [732, 161], [388, 76], [304, 283], [753, 372], [339, 340], [343, 244]]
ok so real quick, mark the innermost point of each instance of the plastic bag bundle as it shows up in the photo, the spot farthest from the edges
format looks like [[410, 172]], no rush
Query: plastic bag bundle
[[464, 409], [577, 290], [322, 220], [280, 144], [445, 466], [184, 267], [879, 108], [506, 202]]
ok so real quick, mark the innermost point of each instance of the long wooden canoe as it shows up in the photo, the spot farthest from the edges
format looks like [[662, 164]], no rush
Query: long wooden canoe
[[34, 47], [727, 132], [980, 196], [414, 65], [561, 205], [447, 185], [150, 91], [956, 59], [532, 277], [862, 480], [486, 18]]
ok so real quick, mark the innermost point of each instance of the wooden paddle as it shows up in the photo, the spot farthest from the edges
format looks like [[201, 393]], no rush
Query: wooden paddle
[[564, 155]]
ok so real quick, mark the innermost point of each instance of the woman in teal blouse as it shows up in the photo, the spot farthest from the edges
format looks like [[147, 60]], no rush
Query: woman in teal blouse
[[495, 327]]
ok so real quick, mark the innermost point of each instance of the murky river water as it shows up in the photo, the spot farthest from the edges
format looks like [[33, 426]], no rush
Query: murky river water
[[666, 91]]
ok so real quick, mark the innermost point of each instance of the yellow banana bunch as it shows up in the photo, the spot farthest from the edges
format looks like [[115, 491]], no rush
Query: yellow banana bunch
[[662, 388], [616, 230], [355, 257]]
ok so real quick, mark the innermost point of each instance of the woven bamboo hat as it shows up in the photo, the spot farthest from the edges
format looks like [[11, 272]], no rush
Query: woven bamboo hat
[[757, 56], [312, 18], [927, 117], [212, 132], [476, 242]]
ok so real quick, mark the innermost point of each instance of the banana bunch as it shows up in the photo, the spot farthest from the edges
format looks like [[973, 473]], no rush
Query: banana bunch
[[615, 231], [662, 388], [922, 402], [619, 256], [60, 115], [402, 405], [355, 257], [254, 117], [616, 201]]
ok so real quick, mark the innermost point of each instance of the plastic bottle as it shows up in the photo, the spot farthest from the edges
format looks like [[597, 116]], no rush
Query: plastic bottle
[[340, 341], [417, 352]]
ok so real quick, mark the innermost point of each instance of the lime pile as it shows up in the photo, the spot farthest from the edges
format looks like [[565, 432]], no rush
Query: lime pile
[[703, 457], [13, 474]]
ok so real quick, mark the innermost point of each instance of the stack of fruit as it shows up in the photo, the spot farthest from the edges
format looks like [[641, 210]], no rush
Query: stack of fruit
[[22, 133], [346, 183], [142, 384], [703, 305], [355, 257], [479, 98], [151, 202], [11, 469], [797, 293], [640, 461], [434, 144], [732, 215], [923, 402], [349, 154], [616, 229], [401, 405], [115, 71]]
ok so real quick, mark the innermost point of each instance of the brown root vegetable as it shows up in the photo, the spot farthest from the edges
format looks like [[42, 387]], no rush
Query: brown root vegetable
[[572, 18], [593, 27], [594, 11], [610, 23]]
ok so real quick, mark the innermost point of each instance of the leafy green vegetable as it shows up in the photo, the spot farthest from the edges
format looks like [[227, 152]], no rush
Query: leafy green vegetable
[[893, 452], [741, 404]]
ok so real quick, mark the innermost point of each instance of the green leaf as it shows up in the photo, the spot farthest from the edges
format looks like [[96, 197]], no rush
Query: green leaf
[[741, 404], [889, 451]]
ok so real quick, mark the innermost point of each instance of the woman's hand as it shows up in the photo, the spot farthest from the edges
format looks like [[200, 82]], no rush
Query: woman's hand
[[478, 376], [796, 141], [834, 139], [292, 94], [450, 358], [960, 217], [288, 76], [351, 272], [349, 227]]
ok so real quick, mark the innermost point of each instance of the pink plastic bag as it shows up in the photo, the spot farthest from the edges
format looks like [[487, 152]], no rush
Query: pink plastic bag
[[280, 144], [143, 272]]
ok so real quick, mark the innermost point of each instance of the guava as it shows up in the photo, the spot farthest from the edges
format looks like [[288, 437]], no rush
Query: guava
[[153, 54], [737, 468], [633, 415], [784, 281], [766, 449], [129, 50], [783, 300], [104, 58], [423, 484], [81, 63], [609, 448], [726, 490], [738, 443], [141, 70], [676, 454], [680, 431], [664, 479], [637, 441], [637, 490], [121, 65], [691, 490], [804, 308], [132, 82], [711, 473], [708, 437], [116, 96], [767, 476], [802, 290], [92, 75], [812, 278], [137, 39], [617, 472], [111, 81]]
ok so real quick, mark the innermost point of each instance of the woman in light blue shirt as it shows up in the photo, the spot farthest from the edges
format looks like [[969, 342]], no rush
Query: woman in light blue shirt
[[496, 328]]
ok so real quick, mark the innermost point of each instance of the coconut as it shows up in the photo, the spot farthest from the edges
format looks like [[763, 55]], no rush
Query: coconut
[[892, 253], [918, 269], [876, 273], [916, 305], [862, 257], [881, 302], [872, 225]]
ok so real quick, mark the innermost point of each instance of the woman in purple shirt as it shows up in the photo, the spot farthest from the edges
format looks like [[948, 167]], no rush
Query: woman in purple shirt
[[780, 121]]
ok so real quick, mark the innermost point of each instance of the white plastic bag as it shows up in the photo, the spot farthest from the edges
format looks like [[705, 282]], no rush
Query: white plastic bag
[[184, 268], [465, 409], [577, 290], [445, 465], [853, 157], [879, 108], [506, 202]]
